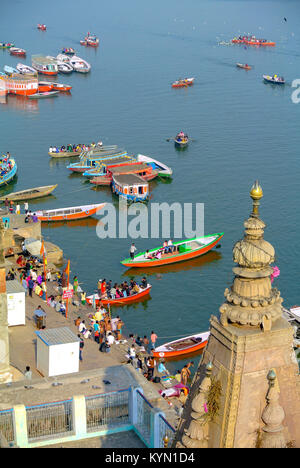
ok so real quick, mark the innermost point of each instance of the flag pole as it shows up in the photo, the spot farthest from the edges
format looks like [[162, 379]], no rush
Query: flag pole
[[68, 284]]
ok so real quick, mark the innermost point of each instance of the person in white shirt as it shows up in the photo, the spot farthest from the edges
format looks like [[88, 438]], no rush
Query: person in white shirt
[[171, 246], [26, 207], [133, 249], [110, 339], [18, 209], [132, 353], [50, 149], [81, 327], [33, 275], [86, 333]]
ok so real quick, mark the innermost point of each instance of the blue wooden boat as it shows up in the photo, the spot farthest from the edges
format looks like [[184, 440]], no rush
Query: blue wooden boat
[[10, 70], [92, 160], [8, 170], [131, 187]]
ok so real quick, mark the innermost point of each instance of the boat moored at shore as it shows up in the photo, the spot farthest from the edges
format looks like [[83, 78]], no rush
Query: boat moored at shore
[[30, 194], [130, 187], [8, 170], [187, 345], [69, 214], [20, 84]]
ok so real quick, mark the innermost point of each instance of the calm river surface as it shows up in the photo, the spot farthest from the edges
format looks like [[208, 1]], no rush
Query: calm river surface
[[242, 130]]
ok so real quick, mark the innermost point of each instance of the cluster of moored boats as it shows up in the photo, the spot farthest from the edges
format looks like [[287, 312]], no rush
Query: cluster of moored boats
[[127, 175]]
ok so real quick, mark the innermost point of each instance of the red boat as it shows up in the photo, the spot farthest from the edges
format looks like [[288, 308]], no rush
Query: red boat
[[143, 170], [42, 27], [253, 41], [121, 300], [45, 86], [17, 51], [90, 40], [183, 83], [187, 345]]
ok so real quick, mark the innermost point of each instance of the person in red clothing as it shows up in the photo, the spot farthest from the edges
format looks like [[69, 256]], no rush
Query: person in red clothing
[[103, 289]]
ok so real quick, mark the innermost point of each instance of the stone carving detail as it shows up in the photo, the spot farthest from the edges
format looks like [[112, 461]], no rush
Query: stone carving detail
[[251, 300], [273, 416], [196, 436]]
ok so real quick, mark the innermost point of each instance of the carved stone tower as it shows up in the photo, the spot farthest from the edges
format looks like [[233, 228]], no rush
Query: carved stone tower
[[248, 339]]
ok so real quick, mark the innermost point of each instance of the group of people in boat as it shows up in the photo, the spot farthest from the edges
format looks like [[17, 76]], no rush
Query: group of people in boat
[[168, 247], [5, 164], [278, 78], [249, 39], [181, 136], [108, 290], [74, 148], [69, 148]]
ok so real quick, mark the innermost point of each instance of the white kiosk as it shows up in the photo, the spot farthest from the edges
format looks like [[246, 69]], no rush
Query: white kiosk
[[15, 303], [57, 351]]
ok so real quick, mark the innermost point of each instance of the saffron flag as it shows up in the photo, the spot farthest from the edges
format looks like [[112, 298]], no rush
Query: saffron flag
[[67, 270], [42, 249]]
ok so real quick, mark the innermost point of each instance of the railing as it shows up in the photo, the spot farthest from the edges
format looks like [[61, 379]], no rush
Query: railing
[[166, 432], [107, 409], [143, 422], [49, 421], [7, 425]]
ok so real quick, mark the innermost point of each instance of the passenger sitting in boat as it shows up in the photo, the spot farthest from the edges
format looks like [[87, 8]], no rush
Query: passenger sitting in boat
[[136, 288], [70, 148], [62, 148], [171, 247], [100, 143], [51, 149], [165, 246], [118, 293], [148, 255], [158, 254], [144, 283]]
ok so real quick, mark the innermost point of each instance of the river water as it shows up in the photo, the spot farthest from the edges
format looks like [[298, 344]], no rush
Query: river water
[[242, 130]]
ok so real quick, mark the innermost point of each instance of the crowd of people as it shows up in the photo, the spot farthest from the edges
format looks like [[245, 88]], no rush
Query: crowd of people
[[108, 290], [74, 148]]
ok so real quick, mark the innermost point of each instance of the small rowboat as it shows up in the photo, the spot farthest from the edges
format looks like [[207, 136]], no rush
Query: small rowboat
[[61, 87], [44, 95], [244, 66], [42, 27], [45, 86], [183, 250], [163, 170], [187, 345], [68, 214], [181, 140], [26, 70], [30, 194], [91, 41], [79, 65], [64, 67], [274, 79], [17, 51], [121, 300], [183, 83]]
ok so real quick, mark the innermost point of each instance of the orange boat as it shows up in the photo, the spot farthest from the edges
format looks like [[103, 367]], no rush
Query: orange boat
[[19, 84], [244, 66], [45, 86], [181, 251], [69, 214], [61, 87], [121, 300], [253, 41], [187, 345], [183, 83]]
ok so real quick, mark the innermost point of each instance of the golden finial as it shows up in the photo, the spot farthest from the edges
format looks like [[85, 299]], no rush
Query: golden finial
[[166, 441], [256, 193]]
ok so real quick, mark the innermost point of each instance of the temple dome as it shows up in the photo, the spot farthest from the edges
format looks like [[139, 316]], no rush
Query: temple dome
[[253, 253]]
